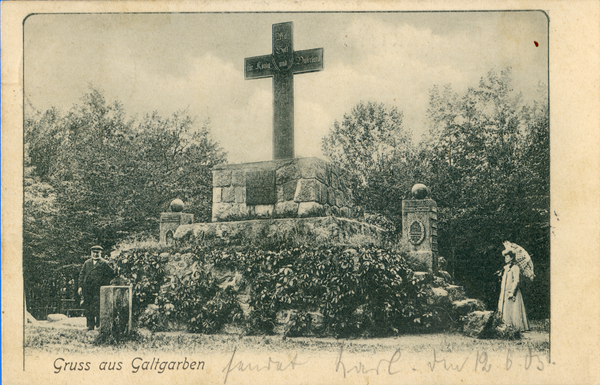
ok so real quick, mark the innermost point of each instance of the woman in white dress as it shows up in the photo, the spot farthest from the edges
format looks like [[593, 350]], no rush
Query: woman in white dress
[[510, 304]]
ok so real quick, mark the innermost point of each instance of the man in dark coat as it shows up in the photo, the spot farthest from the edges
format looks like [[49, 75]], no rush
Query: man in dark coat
[[95, 272]]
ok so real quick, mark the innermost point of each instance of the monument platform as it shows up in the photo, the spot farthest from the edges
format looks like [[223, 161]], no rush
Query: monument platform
[[287, 188], [318, 229]]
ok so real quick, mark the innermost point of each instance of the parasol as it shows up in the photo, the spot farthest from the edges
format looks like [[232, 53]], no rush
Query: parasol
[[522, 258]]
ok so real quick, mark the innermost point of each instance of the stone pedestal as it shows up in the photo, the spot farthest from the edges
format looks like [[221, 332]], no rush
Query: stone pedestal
[[170, 221], [289, 188], [320, 229], [419, 228], [115, 309]]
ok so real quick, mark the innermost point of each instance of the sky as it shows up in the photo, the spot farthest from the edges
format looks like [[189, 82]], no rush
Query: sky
[[169, 62]]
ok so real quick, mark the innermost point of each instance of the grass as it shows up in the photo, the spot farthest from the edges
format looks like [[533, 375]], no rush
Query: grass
[[80, 341], [542, 326]]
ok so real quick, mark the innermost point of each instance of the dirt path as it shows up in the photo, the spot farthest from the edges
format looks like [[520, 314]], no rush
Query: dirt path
[[70, 335]]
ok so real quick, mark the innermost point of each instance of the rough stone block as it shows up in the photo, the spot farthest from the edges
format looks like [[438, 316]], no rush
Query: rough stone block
[[238, 178], [438, 296], [178, 264], [240, 194], [287, 173], [308, 190], [330, 196], [229, 211], [221, 178], [228, 195], [313, 168], [345, 212], [343, 180], [263, 211], [335, 211], [323, 195], [334, 181], [217, 195], [306, 209], [240, 210], [56, 317], [115, 310], [280, 194], [339, 198], [286, 209], [467, 306], [349, 196], [478, 323], [439, 292], [289, 190], [186, 219], [456, 293], [220, 210]]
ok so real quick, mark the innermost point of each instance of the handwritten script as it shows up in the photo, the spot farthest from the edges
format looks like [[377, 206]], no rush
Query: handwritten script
[[360, 368], [271, 364]]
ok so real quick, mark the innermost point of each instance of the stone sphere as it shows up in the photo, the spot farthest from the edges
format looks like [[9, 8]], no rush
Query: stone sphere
[[419, 191], [176, 206]]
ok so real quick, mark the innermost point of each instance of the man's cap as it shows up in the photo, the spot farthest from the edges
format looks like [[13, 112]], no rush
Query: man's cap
[[97, 248]]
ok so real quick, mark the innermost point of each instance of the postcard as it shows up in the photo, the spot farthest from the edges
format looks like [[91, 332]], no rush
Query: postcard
[[318, 192]]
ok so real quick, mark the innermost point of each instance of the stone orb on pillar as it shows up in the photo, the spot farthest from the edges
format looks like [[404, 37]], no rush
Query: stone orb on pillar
[[176, 206], [419, 191]]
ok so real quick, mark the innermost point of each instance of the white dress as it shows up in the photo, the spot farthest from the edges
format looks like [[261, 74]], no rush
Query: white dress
[[513, 312]]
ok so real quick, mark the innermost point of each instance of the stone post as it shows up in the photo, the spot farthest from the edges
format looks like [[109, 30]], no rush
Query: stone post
[[419, 229], [115, 310], [170, 221]]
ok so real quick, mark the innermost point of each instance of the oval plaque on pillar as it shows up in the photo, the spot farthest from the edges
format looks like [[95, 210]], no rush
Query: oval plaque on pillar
[[416, 233]]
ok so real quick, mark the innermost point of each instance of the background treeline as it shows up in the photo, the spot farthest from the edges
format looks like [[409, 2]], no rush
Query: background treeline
[[94, 177], [486, 162]]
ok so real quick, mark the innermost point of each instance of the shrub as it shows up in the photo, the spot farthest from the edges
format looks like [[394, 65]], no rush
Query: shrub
[[363, 290], [196, 301], [146, 272]]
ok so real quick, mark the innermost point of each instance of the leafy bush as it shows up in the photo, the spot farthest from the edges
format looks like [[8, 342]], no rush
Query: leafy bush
[[146, 271], [359, 291], [195, 300]]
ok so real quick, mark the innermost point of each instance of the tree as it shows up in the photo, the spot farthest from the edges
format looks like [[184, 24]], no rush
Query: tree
[[488, 155], [376, 149], [96, 177]]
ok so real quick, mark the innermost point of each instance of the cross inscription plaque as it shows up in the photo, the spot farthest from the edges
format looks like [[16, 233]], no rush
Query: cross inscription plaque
[[281, 65]]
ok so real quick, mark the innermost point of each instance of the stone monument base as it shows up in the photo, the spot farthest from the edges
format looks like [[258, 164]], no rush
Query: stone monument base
[[289, 188], [422, 261], [317, 229]]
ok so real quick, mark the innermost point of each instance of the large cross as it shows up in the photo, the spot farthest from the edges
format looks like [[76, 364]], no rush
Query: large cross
[[281, 65]]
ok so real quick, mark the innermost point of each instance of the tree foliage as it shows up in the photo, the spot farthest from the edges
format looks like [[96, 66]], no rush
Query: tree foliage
[[486, 162], [488, 157], [95, 177], [374, 146]]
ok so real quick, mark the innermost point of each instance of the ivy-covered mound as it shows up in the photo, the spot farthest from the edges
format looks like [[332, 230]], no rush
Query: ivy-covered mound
[[336, 290]]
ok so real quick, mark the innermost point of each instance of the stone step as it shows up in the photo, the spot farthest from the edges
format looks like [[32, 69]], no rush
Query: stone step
[[478, 323], [466, 306], [456, 293]]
